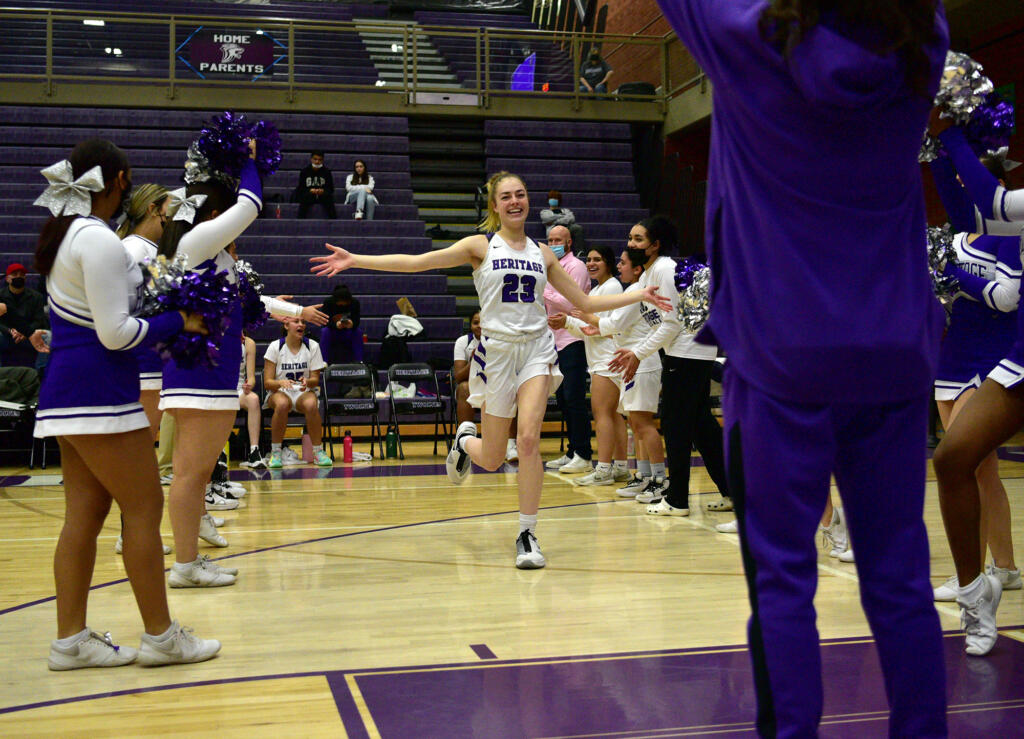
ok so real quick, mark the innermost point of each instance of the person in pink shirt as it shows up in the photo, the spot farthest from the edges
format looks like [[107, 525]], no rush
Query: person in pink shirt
[[572, 361]]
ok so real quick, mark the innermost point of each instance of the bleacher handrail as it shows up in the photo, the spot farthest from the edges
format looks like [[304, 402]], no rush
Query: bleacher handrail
[[481, 80]]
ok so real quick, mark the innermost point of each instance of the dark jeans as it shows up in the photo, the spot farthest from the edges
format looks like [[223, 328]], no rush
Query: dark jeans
[[341, 346], [572, 398], [21, 354], [326, 200], [686, 421]]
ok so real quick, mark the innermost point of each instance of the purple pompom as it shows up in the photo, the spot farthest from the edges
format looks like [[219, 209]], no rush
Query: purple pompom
[[268, 147], [991, 126], [685, 270], [172, 286], [225, 145]]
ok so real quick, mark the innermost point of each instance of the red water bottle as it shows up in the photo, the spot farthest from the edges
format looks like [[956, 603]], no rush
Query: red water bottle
[[348, 446], [278, 211]]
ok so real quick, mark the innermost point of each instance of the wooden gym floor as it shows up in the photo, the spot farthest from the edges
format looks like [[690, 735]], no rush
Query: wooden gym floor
[[377, 599]]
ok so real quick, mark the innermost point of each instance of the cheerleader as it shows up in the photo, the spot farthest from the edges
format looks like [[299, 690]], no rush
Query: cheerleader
[[204, 401], [685, 383], [604, 389], [93, 284], [517, 350]]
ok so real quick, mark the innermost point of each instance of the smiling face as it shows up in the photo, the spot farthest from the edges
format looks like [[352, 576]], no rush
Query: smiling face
[[511, 202], [628, 272], [597, 267], [474, 325], [296, 328]]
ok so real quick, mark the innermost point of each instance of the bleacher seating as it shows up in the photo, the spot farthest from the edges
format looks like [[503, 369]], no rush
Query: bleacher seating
[[601, 191], [279, 248]]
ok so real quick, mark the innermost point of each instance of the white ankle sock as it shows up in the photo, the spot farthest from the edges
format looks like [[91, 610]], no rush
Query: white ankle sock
[[620, 464], [658, 469], [643, 468], [604, 467], [69, 641], [318, 448], [253, 448], [527, 523], [275, 447], [164, 636]]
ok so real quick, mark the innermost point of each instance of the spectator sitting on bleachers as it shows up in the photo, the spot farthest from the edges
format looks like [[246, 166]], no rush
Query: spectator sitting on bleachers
[[341, 340], [359, 186], [316, 187], [594, 73], [24, 312], [465, 348], [556, 215], [291, 376]]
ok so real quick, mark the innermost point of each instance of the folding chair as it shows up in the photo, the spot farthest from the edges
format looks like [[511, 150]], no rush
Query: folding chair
[[336, 379], [423, 375]]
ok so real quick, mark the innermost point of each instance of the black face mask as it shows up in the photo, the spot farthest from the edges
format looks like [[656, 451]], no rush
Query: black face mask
[[122, 207], [18, 282]]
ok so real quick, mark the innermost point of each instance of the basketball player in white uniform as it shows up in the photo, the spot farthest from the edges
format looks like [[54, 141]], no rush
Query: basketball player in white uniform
[[510, 271]]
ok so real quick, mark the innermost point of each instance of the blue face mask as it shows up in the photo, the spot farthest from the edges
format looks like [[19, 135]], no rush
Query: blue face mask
[[558, 249], [553, 202]]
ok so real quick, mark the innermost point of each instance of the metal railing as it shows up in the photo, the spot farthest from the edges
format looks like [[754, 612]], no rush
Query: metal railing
[[54, 46]]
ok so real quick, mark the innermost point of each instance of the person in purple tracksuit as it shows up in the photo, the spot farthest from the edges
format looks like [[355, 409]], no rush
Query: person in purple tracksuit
[[822, 301]]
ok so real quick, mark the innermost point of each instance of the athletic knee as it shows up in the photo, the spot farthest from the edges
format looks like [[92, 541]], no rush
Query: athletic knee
[[527, 444], [952, 459]]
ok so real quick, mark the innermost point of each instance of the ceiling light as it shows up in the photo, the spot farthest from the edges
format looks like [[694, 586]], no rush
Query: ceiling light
[[93, 22], [117, 52], [108, 50]]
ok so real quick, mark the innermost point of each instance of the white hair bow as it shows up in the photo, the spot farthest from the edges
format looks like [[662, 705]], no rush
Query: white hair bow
[[69, 197], [186, 206]]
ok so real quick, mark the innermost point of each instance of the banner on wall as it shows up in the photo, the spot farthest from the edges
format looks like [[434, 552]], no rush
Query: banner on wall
[[233, 53]]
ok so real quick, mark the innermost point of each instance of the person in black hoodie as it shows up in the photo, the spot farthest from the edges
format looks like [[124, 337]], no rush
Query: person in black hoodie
[[316, 185]]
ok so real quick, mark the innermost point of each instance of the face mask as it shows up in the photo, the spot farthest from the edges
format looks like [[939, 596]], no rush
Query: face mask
[[558, 249], [18, 282], [553, 202]]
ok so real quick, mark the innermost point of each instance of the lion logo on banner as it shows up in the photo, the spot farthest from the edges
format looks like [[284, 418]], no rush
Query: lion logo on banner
[[231, 53]]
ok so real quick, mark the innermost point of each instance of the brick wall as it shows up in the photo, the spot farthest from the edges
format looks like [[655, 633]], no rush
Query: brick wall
[[634, 63]]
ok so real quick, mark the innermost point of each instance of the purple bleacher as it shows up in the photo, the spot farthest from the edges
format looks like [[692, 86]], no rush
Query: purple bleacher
[[550, 130]]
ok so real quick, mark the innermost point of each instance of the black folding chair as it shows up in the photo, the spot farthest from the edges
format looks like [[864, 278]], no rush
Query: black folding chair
[[337, 380], [423, 375]]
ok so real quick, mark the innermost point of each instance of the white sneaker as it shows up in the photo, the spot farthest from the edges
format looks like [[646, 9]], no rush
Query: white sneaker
[[198, 574], [978, 619], [528, 554], [231, 491], [119, 545], [181, 647], [511, 451], [557, 464], [834, 536], [622, 474], [208, 532], [634, 486], [91, 650], [217, 502], [948, 591], [577, 465], [729, 527], [720, 505], [597, 477], [359, 215], [290, 457], [846, 556], [1010, 579], [662, 508], [653, 491], [218, 522], [233, 571], [167, 479], [458, 464]]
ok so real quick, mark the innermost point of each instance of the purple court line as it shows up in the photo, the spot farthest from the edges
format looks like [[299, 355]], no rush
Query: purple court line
[[11, 481], [483, 651], [317, 540]]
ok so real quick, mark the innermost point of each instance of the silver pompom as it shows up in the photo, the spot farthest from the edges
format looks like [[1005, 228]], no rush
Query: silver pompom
[[164, 277], [695, 302], [941, 252], [931, 148], [963, 88], [197, 167]]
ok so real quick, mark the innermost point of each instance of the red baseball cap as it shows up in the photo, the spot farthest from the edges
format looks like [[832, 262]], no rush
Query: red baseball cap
[[15, 267]]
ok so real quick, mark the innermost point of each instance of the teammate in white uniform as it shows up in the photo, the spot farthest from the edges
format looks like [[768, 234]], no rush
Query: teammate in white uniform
[[609, 425], [291, 376], [463, 371], [685, 378], [90, 401], [510, 271]]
